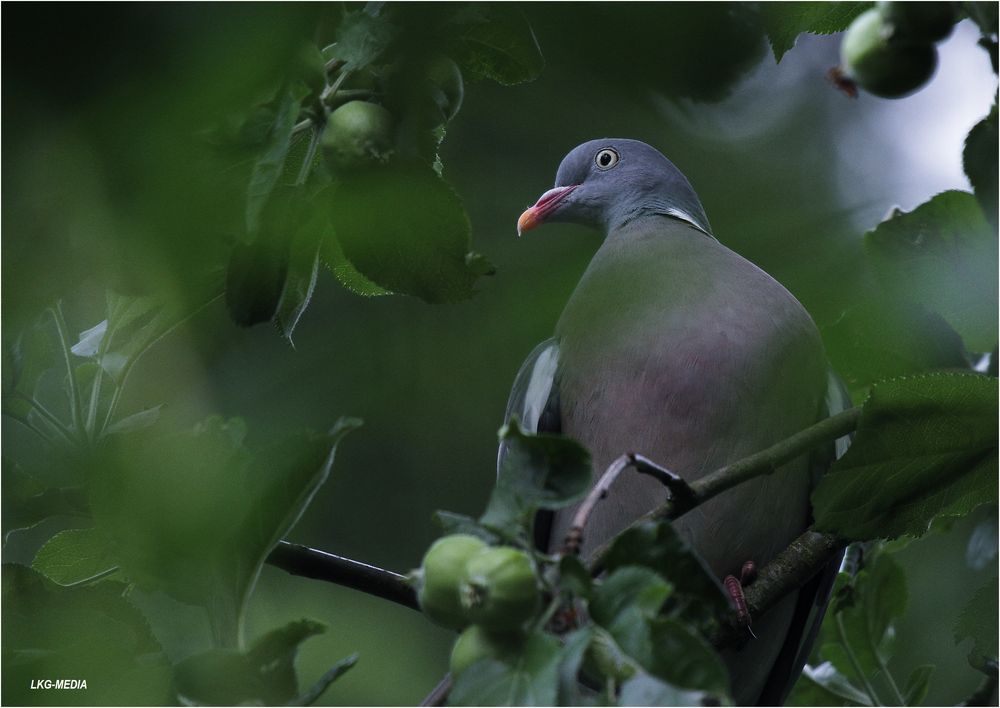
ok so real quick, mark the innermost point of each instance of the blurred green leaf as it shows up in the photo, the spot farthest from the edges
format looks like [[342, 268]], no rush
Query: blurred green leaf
[[656, 545], [575, 576], [136, 421], [494, 41], [916, 686], [530, 679], [574, 649], [303, 269], [538, 472], [89, 633], [823, 685], [312, 694], [32, 352], [405, 229], [857, 633], [784, 21], [269, 165], [263, 675], [255, 280], [646, 690], [925, 447], [629, 590], [884, 339], [978, 620], [74, 555], [980, 158], [684, 658], [194, 514], [362, 37], [452, 523], [943, 255]]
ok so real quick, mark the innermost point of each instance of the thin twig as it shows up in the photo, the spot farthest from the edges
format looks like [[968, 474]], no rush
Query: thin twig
[[574, 538], [767, 461], [679, 490], [757, 465], [320, 565], [804, 557]]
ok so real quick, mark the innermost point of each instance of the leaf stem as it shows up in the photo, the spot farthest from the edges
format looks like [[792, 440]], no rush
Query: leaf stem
[[757, 465], [869, 689], [95, 391], [309, 157], [76, 407], [885, 670]]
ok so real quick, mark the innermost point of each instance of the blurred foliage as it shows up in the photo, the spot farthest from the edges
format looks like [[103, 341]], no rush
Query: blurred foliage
[[164, 160]]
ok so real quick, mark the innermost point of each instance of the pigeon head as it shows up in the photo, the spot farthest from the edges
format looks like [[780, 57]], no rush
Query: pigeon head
[[606, 183]]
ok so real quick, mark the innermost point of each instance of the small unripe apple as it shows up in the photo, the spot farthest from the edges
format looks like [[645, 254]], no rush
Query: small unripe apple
[[440, 575], [357, 134], [882, 65], [918, 21], [500, 589]]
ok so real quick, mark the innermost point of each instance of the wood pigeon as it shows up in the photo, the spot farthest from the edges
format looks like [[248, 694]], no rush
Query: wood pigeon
[[674, 347]]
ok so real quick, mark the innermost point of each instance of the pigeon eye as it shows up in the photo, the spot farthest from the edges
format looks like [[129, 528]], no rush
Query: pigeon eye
[[606, 158]]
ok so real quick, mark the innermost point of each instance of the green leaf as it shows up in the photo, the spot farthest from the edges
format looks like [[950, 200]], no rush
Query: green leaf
[[74, 555], [823, 685], [785, 21], [32, 353], [697, 593], [883, 339], [573, 651], [405, 230], [312, 694], [538, 472], [255, 280], [300, 279], [978, 620], [859, 627], [264, 675], [980, 160], [628, 590], [346, 274], [575, 577], [925, 447], [495, 41], [90, 633], [530, 679], [646, 690], [916, 686], [194, 514], [136, 421], [684, 658], [271, 162], [942, 255], [362, 37], [452, 523]]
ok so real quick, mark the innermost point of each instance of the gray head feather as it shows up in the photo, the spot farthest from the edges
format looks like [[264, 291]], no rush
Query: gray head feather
[[612, 192]]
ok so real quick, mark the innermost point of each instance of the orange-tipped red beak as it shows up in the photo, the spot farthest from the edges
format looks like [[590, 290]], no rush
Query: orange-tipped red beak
[[546, 204]]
